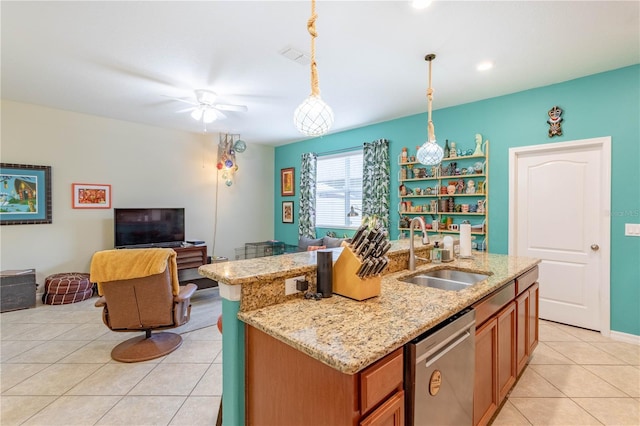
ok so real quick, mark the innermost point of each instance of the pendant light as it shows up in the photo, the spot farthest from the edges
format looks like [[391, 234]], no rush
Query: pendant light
[[313, 117], [430, 153]]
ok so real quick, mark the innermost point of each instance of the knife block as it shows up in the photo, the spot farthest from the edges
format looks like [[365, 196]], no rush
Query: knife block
[[347, 283]]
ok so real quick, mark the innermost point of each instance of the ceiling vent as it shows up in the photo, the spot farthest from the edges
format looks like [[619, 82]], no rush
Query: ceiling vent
[[296, 56]]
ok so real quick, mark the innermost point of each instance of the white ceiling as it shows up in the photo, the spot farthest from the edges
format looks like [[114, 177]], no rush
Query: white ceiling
[[120, 59]]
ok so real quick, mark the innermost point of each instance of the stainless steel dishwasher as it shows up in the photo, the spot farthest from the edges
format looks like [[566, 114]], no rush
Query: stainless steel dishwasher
[[439, 373]]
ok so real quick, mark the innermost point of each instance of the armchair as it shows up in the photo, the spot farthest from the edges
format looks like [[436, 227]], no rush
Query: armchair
[[151, 301]]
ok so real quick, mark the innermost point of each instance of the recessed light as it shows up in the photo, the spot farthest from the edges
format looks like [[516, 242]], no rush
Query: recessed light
[[420, 4], [484, 66]]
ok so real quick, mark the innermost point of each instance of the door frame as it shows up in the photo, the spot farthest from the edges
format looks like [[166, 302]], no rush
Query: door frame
[[604, 146]]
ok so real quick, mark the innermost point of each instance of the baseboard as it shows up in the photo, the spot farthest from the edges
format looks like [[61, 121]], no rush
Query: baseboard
[[625, 337]]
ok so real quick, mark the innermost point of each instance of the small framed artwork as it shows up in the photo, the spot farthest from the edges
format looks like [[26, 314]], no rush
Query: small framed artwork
[[287, 212], [25, 194], [91, 196], [287, 182]]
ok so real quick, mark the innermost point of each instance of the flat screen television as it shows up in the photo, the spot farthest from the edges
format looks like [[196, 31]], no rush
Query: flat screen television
[[148, 227]]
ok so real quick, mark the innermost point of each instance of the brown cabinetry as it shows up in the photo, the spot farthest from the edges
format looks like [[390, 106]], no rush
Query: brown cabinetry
[[506, 350], [506, 335], [485, 395], [287, 387]]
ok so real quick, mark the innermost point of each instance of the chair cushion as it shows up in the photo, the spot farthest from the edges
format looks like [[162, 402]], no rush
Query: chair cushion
[[305, 242], [330, 242]]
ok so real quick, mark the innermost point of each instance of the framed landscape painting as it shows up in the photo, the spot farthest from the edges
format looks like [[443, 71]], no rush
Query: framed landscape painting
[[25, 194], [287, 182], [91, 196]]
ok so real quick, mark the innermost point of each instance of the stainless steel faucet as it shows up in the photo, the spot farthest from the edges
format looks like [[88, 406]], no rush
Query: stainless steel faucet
[[425, 240]]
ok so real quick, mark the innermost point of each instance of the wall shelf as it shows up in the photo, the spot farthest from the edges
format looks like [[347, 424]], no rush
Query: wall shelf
[[412, 205]]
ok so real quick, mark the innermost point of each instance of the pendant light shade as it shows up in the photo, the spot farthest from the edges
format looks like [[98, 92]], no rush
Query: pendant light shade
[[430, 153], [313, 117]]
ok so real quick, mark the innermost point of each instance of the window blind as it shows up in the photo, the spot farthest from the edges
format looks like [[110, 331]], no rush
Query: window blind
[[338, 188]]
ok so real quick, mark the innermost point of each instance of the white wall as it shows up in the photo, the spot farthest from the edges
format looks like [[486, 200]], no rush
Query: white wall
[[146, 167]]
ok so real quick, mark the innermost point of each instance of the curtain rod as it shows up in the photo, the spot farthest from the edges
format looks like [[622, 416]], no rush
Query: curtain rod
[[340, 151]]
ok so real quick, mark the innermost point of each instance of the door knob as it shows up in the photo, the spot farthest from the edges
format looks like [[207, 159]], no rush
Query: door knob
[[595, 247]]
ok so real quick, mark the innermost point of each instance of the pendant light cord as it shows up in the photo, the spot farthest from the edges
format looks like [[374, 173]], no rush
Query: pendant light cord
[[311, 27], [431, 129]]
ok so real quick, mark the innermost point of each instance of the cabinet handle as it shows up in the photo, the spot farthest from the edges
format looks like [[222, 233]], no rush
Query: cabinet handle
[[595, 247]]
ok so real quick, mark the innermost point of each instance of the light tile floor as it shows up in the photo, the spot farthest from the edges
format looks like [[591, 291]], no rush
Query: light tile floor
[[576, 377], [55, 369]]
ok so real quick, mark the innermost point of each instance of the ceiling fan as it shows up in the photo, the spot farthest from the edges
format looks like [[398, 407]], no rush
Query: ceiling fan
[[204, 108]]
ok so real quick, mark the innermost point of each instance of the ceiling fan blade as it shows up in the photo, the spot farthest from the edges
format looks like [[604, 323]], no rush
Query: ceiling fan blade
[[182, 100], [225, 107], [186, 109]]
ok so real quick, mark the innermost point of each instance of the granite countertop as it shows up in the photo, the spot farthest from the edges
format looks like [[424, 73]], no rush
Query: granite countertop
[[349, 335], [246, 271]]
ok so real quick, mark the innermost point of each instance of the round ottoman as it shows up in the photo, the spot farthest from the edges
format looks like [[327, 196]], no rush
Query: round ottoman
[[67, 287]]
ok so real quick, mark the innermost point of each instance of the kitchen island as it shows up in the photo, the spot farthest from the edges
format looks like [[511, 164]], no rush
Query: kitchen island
[[343, 334]]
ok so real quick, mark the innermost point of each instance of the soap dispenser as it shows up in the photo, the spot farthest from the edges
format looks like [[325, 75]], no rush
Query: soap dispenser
[[436, 253]]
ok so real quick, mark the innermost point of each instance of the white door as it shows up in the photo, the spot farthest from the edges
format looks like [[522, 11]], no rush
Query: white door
[[559, 212]]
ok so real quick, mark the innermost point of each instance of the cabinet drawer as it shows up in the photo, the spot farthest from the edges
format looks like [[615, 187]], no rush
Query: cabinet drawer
[[525, 280], [389, 413], [380, 380], [491, 304]]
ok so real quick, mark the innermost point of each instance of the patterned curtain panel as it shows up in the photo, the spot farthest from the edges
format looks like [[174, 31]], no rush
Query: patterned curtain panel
[[376, 181], [307, 215]]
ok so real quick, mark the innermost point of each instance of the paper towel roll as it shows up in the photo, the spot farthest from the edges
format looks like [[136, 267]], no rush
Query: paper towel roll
[[465, 240]]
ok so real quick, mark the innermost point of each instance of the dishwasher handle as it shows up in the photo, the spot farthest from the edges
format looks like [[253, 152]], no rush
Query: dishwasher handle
[[433, 357]]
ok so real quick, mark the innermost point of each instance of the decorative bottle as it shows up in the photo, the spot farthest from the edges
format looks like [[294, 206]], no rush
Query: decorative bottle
[[446, 149], [404, 154]]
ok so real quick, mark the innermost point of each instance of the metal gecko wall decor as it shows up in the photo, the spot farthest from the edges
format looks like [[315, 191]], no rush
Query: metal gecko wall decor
[[555, 121]]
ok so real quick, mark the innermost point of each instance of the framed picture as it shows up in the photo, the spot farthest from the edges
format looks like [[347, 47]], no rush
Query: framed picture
[[287, 182], [91, 196], [25, 194], [287, 212]]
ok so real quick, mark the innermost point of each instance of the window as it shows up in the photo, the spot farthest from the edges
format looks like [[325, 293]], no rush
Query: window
[[338, 188]]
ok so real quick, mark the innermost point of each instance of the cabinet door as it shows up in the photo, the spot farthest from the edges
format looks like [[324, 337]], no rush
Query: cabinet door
[[506, 350], [485, 393], [391, 413], [533, 317], [522, 330]]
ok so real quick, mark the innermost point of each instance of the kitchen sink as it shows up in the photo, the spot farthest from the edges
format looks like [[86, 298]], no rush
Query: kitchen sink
[[446, 279]]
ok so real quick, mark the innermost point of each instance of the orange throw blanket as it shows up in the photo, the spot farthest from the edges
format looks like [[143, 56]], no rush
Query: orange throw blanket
[[126, 264]]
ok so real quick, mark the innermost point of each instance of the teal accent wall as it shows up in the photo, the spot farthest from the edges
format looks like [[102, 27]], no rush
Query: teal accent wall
[[605, 104]]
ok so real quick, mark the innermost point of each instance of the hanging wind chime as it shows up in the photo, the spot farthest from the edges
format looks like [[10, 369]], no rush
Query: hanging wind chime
[[228, 146]]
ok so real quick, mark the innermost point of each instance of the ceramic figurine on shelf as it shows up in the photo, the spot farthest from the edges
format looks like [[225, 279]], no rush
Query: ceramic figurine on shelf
[[404, 155], [478, 150], [453, 153], [451, 188], [471, 187], [460, 186], [481, 206]]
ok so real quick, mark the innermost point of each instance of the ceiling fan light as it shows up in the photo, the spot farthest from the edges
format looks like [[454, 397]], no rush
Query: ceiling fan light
[[206, 96], [209, 115], [313, 117], [196, 114]]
